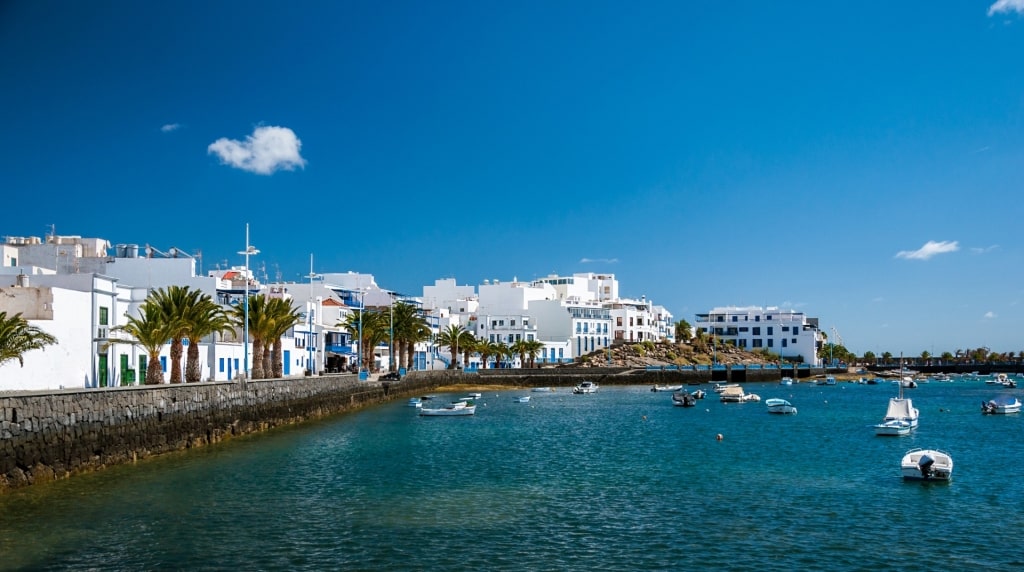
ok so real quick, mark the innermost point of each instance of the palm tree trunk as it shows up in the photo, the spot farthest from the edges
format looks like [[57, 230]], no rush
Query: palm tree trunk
[[154, 373], [257, 358], [176, 351], [410, 349], [192, 373], [268, 365], [277, 357]]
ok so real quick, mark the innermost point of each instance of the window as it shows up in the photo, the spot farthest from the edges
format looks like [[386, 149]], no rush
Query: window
[[220, 365], [618, 321], [784, 342], [104, 316], [735, 318], [770, 342], [770, 328], [757, 342], [757, 331], [757, 318], [512, 323]]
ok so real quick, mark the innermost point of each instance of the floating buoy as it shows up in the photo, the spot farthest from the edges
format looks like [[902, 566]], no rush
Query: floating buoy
[[643, 417], [718, 437]]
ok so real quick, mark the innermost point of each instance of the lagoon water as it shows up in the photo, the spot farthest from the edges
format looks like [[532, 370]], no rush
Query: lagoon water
[[617, 480]]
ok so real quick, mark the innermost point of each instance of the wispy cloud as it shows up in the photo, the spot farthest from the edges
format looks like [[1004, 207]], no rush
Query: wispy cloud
[[989, 315], [170, 127], [1006, 6], [980, 150], [598, 260], [984, 250], [877, 299], [265, 151], [930, 249]]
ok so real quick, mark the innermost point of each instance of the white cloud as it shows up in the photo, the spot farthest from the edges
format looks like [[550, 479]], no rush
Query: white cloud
[[990, 315], [930, 249], [1006, 6], [170, 127], [985, 250], [265, 151], [598, 260]]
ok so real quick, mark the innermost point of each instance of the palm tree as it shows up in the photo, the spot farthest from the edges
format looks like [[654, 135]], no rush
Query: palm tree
[[375, 326], [151, 330], [533, 348], [502, 351], [175, 303], [409, 327], [283, 317], [17, 337], [519, 347], [683, 331], [259, 327], [451, 337], [202, 319]]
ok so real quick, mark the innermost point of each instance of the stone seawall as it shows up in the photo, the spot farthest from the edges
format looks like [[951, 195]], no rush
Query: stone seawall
[[52, 435]]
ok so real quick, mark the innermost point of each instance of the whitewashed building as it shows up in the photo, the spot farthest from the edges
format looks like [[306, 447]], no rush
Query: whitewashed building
[[785, 332]]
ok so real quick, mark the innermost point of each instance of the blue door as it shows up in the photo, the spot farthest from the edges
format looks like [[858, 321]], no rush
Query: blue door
[[287, 362]]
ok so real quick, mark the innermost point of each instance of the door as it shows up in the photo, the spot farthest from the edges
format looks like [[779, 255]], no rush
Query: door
[[287, 370], [103, 373]]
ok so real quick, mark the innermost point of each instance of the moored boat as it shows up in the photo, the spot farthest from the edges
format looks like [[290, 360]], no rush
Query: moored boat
[[735, 394], [683, 399], [522, 399], [457, 408], [900, 417], [415, 402], [666, 388], [781, 406], [926, 465], [585, 387], [1001, 405]]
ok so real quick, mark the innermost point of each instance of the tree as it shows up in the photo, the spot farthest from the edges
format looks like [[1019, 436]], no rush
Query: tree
[[519, 347], [282, 317], [202, 319], [175, 302], [259, 330], [375, 327], [684, 332], [410, 328], [451, 337], [151, 330], [533, 348], [869, 357], [17, 338]]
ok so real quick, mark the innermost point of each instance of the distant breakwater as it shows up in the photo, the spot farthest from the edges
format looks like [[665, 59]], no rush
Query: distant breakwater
[[52, 435]]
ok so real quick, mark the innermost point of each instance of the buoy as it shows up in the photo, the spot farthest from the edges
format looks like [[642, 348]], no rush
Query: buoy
[[718, 437]]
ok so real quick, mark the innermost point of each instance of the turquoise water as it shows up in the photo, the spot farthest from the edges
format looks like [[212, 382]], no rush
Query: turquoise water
[[618, 480]]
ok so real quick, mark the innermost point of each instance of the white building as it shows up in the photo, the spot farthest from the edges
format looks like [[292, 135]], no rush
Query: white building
[[786, 332]]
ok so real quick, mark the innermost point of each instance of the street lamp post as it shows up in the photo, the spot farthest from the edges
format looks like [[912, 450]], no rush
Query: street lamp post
[[391, 332], [361, 296], [250, 250], [309, 320]]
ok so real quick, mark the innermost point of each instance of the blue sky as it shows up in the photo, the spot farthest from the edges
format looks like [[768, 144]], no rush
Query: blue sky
[[860, 162]]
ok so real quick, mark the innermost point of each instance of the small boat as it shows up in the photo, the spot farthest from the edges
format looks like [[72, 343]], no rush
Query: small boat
[[523, 399], [666, 388], [457, 408], [786, 381], [926, 465], [777, 405], [542, 390], [683, 399], [585, 387], [736, 395], [415, 402], [1001, 405], [475, 395], [1003, 380], [699, 393], [900, 417], [720, 387]]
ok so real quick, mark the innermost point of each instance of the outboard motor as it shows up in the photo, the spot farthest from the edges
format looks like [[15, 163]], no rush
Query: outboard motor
[[924, 464]]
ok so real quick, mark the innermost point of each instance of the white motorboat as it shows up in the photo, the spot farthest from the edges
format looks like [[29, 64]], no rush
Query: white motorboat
[[720, 387], [900, 417], [666, 388], [735, 394], [585, 387], [415, 402], [927, 465], [786, 381], [1001, 405], [457, 408], [542, 390], [778, 405], [523, 399], [1002, 379]]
